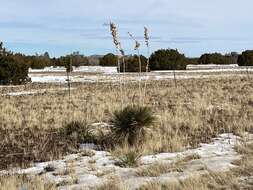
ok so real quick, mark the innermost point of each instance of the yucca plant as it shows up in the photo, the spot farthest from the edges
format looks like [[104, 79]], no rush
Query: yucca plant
[[129, 123]]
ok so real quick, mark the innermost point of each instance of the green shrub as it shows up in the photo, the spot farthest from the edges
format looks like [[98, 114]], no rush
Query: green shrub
[[108, 60], [12, 71], [167, 59], [132, 64], [246, 58], [217, 58], [129, 123]]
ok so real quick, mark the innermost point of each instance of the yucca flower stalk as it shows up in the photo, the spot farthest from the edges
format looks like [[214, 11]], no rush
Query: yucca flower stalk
[[119, 49], [69, 69], [136, 48], [123, 59], [120, 52], [114, 33], [146, 37]]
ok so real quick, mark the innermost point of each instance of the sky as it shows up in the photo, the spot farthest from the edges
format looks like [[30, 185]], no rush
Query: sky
[[60, 27]]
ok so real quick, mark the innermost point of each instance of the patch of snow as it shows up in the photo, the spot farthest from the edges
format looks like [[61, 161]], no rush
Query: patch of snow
[[95, 169], [109, 75], [206, 70], [88, 146], [25, 93], [85, 69], [211, 66], [38, 78], [96, 69], [48, 69], [21, 93]]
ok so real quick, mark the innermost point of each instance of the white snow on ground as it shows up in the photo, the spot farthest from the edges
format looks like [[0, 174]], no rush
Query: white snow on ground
[[90, 168], [96, 69], [109, 74], [113, 70], [44, 78], [21, 93], [48, 69], [38, 78], [205, 70], [211, 66], [34, 92], [87, 69]]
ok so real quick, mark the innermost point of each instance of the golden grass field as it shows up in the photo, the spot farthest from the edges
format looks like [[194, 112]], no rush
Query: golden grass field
[[191, 113]]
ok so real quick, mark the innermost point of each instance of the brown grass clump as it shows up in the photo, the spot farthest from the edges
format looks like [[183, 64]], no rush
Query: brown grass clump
[[19, 147]]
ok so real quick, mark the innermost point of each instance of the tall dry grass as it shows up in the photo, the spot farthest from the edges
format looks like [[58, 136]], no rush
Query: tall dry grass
[[196, 111], [25, 182]]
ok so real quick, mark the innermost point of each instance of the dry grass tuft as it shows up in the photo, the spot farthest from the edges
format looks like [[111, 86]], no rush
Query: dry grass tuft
[[158, 169], [113, 183]]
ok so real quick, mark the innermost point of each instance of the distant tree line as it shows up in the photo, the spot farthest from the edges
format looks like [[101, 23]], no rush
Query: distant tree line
[[42, 61], [14, 66], [170, 59]]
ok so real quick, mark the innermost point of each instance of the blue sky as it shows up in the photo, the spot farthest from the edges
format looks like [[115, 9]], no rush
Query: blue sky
[[63, 26]]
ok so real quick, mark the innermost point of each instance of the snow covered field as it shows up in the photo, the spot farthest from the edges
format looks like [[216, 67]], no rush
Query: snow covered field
[[91, 168], [109, 74], [87, 69]]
